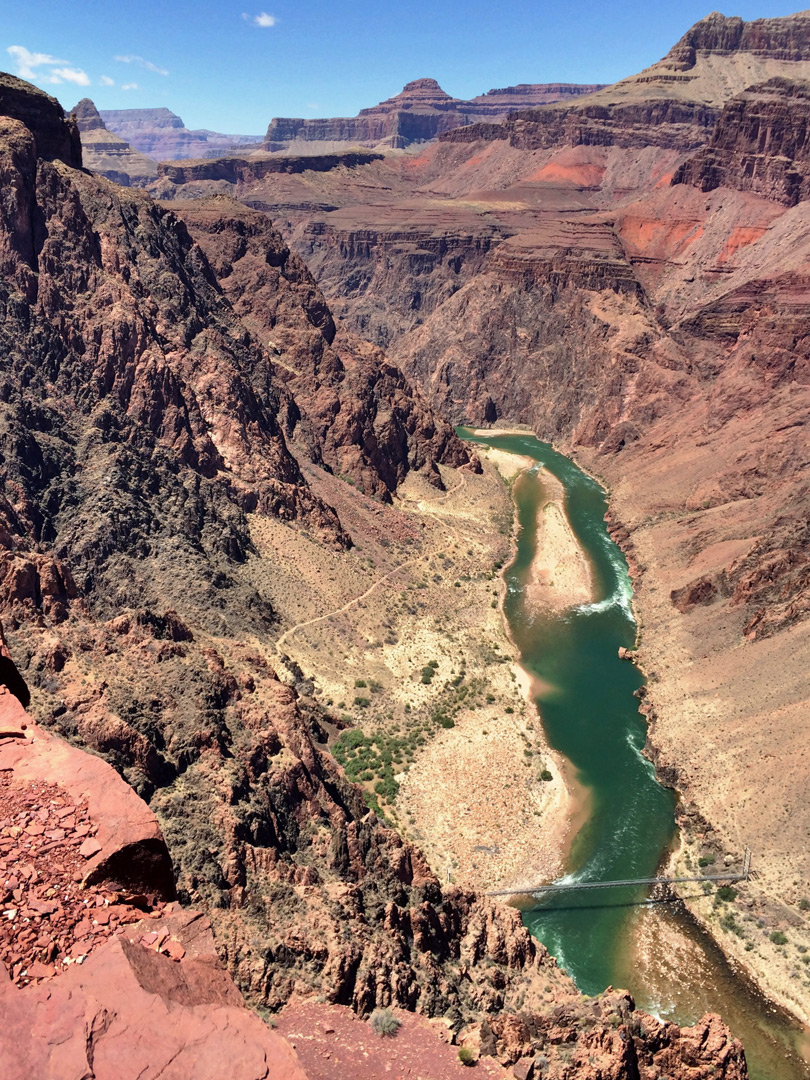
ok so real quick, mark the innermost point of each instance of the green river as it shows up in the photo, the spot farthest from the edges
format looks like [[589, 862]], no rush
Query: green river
[[590, 716]]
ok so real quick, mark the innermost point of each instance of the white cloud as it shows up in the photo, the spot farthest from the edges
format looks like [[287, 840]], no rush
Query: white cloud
[[139, 60], [262, 19], [105, 80], [28, 62], [129, 86], [74, 75]]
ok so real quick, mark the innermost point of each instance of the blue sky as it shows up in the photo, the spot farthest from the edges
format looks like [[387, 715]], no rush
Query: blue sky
[[232, 65]]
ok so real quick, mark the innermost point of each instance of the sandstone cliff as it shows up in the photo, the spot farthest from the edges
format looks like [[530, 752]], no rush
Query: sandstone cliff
[[759, 144], [106, 153], [420, 112], [161, 135], [674, 103]]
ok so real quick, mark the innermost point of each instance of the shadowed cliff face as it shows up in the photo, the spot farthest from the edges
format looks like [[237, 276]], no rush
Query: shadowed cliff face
[[760, 144]]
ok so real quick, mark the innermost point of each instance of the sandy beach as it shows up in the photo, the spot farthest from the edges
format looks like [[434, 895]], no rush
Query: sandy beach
[[560, 575]]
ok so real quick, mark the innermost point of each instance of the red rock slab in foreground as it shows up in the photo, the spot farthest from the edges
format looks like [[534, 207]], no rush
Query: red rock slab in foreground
[[130, 1012], [333, 1042], [131, 850], [48, 918]]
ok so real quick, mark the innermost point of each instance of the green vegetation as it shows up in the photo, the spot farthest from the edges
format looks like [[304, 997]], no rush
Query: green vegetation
[[466, 1056], [726, 893], [778, 938], [706, 860], [384, 1023]]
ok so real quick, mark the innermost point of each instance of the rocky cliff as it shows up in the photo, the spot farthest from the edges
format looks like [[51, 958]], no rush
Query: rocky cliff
[[760, 144], [161, 135], [102, 970], [107, 154], [420, 112], [234, 170], [676, 102]]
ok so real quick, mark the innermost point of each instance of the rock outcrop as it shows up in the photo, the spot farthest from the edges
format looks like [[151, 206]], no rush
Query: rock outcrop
[[56, 137], [420, 112], [106, 153], [99, 970], [161, 135], [235, 170], [760, 144]]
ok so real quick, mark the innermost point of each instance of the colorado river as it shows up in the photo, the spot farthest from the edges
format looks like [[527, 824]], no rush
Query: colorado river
[[590, 716]]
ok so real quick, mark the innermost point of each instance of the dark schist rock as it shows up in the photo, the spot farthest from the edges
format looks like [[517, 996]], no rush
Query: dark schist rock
[[56, 137], [356, 412], [761, 143]]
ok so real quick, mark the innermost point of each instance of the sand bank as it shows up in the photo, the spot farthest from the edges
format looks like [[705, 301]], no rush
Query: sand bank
[[560, 574]]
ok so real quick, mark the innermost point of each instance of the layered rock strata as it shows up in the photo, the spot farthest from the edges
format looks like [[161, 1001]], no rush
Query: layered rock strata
[[161, 135], [419, 113], [760, 144], [106, 153]]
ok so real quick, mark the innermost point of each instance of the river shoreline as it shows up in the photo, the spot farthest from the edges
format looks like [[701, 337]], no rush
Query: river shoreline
[[572, 806], [769, 1022], [699, 914]]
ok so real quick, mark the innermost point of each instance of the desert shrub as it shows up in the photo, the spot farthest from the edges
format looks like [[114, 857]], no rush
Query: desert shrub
[[359, 683], [362, 702], [546, 775], [384, 1023], [778, 938], [705, 860], [466, 1056], [726, 893], [804, 904]]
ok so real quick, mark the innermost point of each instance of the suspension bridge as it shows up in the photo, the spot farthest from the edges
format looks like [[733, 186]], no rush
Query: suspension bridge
[[739, 875]]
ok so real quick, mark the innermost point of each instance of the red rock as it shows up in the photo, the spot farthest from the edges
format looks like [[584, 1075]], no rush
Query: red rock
[[40, 971], [137, 1013], [43, 907], [89, 848], [173, 949]]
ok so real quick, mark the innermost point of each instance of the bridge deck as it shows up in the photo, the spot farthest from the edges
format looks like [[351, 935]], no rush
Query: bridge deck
[[528, 889]]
